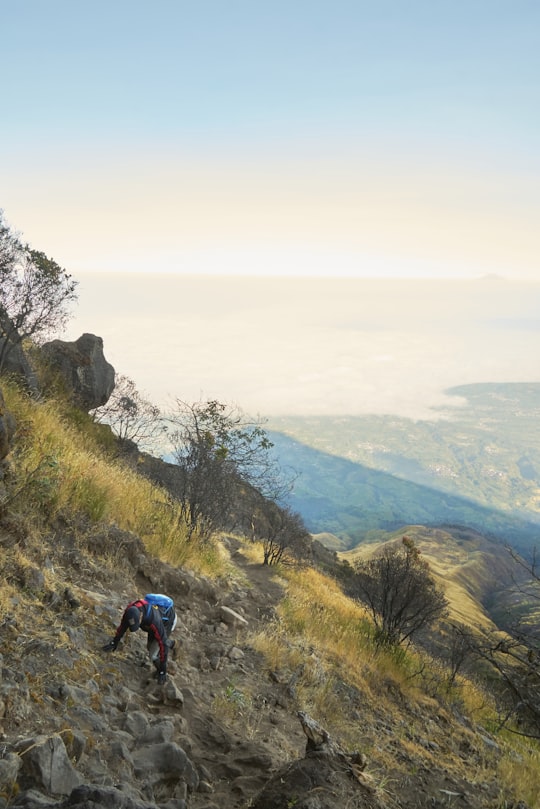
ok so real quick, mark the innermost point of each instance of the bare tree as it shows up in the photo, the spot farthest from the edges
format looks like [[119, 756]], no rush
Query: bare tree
[[131, 416], [284, 536], [218, 448], [459, 649], [399, 591], [514, 655], [35, 293], [517, 689], [10, 247]]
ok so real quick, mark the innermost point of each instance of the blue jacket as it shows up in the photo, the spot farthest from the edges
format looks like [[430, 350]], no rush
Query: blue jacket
[[152, 624]]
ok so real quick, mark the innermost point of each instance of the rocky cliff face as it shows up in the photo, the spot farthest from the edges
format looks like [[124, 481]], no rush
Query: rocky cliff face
[[86, 729]]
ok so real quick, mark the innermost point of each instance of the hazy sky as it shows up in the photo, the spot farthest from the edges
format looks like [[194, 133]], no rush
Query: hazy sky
[[312, 346], [338, 137]]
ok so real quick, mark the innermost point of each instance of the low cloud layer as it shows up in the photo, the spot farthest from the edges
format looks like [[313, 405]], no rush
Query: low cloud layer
[[312, 346]]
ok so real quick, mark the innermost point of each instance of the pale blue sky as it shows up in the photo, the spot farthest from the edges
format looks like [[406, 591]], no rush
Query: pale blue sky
[[392, 138]]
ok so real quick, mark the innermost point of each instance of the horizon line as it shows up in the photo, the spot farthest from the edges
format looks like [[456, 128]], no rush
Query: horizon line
[[495, 277]]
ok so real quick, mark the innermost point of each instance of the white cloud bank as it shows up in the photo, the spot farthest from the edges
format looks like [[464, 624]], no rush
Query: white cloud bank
[[312, 346]]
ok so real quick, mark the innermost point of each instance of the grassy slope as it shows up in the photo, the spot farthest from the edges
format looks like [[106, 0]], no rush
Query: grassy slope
[[469, 568], [63, 473]]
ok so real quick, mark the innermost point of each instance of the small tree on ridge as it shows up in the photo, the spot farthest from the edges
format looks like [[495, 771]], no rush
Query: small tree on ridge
[[217, 447], [399, 591], [130, 415]]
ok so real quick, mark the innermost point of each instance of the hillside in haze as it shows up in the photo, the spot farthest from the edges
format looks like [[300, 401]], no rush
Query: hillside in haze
[[478, 465], [484, 586]]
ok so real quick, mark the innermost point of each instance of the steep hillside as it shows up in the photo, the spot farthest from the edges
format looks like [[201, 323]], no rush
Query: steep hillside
[[480, 459], [226, 720], [350, 501], [475, 572], [275, 697]]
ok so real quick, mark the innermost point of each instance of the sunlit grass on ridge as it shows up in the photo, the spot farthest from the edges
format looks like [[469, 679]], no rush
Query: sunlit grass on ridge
[[322, 643], [61, 468]]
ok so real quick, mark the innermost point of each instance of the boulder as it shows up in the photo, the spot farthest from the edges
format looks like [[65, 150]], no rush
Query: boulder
[[84, 369], [165, 762], [232, 618], [90, 796], [327, 777], [46, 765]]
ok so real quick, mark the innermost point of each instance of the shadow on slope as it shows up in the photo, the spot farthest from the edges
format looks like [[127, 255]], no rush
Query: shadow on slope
[[350, 500]]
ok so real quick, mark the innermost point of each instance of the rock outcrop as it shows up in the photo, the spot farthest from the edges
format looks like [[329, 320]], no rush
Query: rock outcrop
[[83, 368], [83, 729], [326, 778]]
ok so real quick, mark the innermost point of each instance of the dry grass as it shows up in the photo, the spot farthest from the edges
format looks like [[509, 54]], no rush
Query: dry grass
[[519, 771], [58, 468], [321, 644], [461, 570], [317, 609]]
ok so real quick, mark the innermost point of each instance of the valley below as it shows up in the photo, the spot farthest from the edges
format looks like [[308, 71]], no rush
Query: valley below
[[476, 464]]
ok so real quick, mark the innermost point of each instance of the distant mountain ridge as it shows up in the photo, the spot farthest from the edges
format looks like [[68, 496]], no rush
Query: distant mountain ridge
[[479, 576], [478, 465]]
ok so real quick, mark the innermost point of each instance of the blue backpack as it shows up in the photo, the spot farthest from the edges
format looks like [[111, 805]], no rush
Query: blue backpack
[[164, 604]]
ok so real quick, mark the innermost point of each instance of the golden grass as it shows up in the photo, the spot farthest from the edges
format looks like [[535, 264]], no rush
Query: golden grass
[[459, 569], [519, 771], [58, 468], [322, 639], [322, 642]]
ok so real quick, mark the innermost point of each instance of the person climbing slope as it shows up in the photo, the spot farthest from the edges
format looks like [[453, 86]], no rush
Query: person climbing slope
[[155, 615]]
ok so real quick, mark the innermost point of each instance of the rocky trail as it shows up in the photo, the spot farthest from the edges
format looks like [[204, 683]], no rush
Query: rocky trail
[[86, 729], [74, 715]]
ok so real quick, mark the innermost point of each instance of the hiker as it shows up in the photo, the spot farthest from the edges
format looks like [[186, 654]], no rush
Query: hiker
[[154, 614]]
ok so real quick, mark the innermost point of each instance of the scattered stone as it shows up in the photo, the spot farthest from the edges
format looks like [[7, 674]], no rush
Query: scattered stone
[[219, 736], [232, 618], [46, 764], [10, 765]]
